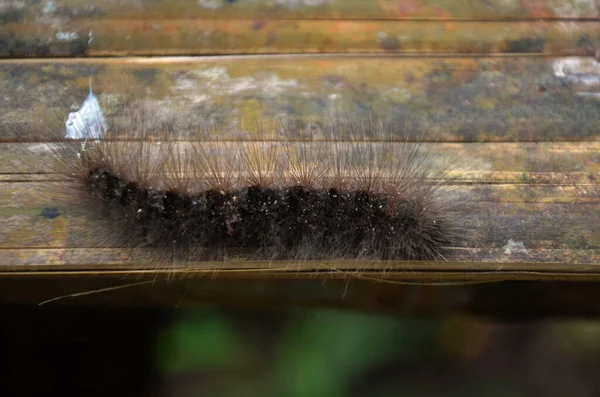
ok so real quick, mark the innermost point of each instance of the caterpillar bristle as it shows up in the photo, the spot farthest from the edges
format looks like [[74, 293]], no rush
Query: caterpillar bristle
[[349, 188]]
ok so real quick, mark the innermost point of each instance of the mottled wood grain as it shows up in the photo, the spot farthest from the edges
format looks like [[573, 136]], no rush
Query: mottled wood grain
[[150, 27], [531, 203], [240, 36], [454, 99], [30, 217], [534, 203], [66, 10], [509, 86], [515, 163]]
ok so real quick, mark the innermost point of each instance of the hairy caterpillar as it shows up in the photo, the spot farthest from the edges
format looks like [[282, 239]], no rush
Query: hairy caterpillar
[[349, 191]]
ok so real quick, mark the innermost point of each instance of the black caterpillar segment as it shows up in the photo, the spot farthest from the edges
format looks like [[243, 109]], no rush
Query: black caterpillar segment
[[355, 189], [276, 222]]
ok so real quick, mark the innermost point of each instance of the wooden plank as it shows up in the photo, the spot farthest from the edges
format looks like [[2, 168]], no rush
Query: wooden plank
[[536, 207], [515, 222], [464, 265], [520, 193], [456, 99], [515, 163], [58, 11], [504, 218], [239, 36]]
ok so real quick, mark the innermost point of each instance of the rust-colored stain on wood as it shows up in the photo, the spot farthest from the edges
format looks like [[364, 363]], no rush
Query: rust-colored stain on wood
[[87, 28], [197, 37], [61, 10]]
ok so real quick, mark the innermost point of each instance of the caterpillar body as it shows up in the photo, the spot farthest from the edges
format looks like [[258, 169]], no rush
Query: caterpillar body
[[356, 194]]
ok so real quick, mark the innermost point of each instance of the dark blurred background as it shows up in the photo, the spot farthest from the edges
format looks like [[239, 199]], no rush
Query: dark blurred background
[[213, 351]]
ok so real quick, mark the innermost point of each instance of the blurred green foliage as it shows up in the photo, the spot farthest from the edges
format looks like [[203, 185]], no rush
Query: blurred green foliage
[[321, 352], [199, 341], [332, 353]]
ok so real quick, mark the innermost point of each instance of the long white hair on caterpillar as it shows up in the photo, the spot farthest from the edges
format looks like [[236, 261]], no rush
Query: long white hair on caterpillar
[[351, 190]]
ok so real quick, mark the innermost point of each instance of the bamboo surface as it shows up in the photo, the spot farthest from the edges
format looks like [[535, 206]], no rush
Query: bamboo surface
[[88, 28], [302, 9], [512, 87], [462, 99]]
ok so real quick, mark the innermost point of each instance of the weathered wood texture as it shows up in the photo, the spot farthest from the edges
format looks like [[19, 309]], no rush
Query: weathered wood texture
[[536, 207], [457, 99], [76, 28], [523, 114], [526, 225], [301, 9], [193, 37], [536, 204]]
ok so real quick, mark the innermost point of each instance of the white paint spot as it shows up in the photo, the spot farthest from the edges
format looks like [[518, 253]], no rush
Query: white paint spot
[[269, 83], [49, 7], [562, 66], [212, 4], [589, 79], [67, 36], [589, 94], [314, 3], [292, 4], [88, 121], [583, 75], [574, 8], [512, 245], [216, 73], [575, 66], [242, 84], [40, 148]]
